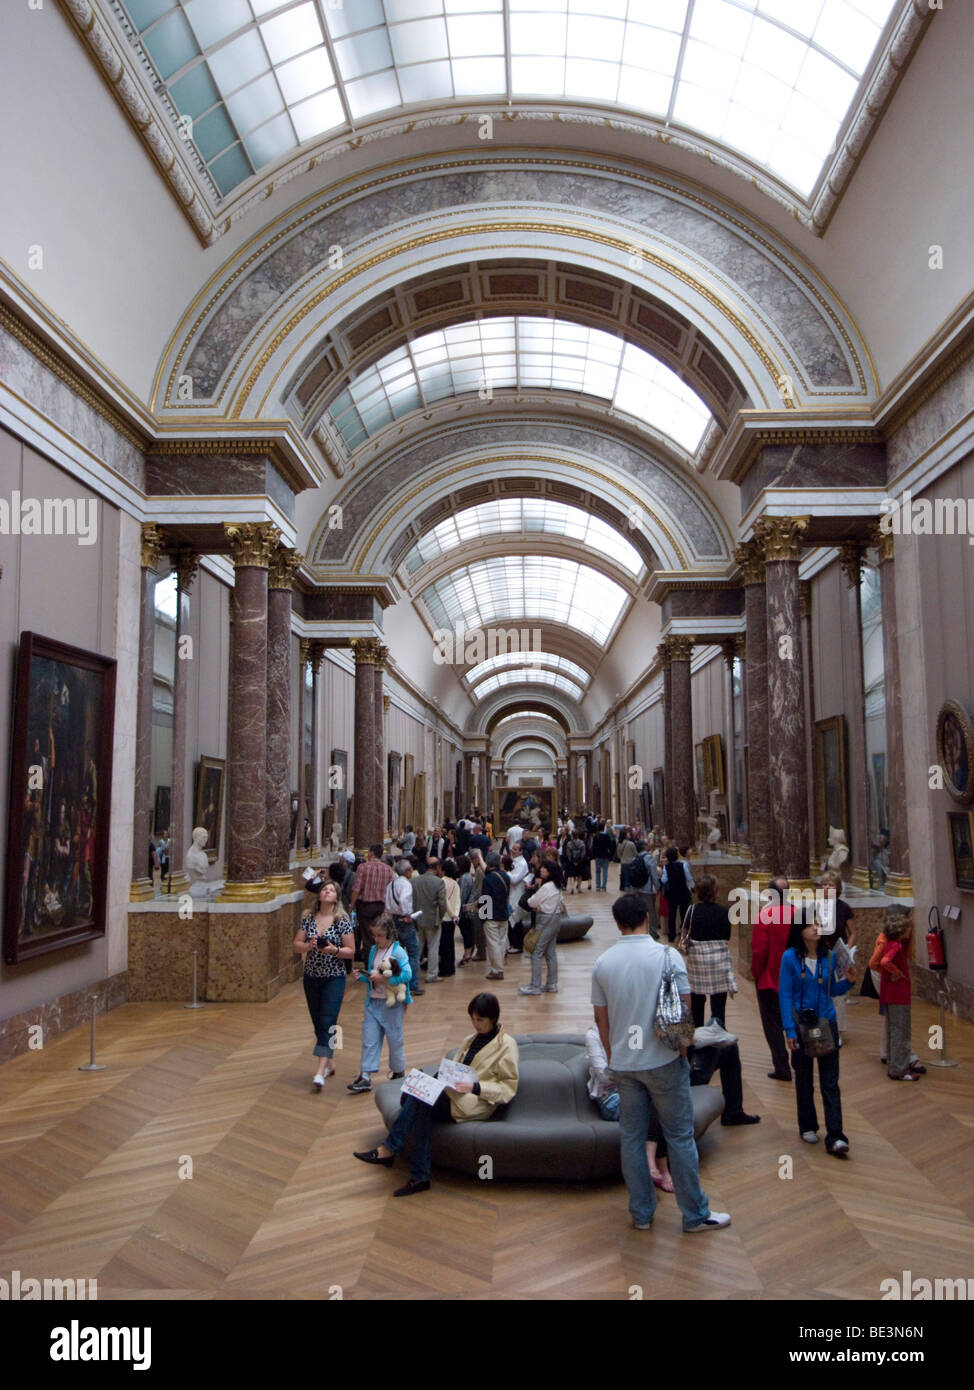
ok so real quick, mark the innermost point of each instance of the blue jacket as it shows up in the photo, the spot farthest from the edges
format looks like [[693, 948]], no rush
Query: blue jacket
[[799, 988], [405, 971]]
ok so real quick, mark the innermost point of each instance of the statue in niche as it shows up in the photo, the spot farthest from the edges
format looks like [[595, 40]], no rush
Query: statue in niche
[[197, 863], [840, 850], [336, 838]]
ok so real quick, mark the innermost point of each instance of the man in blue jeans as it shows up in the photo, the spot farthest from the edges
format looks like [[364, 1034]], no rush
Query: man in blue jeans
[[649, 1077]]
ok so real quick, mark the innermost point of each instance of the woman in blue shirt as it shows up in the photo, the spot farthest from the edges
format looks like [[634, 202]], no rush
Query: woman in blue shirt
[[808, 982]]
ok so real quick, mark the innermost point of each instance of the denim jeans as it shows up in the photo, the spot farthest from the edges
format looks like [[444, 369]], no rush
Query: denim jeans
[[324, 1004], [548, 924], [601, 875], [417, 1119], [828, 1082], [381, 1021], [609, 1105], [666, 1091], [409, 941]]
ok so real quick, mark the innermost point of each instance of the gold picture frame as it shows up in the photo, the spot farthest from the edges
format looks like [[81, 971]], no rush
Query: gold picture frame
[[955, 750], [831, 784], [713, 758], [960, 825]]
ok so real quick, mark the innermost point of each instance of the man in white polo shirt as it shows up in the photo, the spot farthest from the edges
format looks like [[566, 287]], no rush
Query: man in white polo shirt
[[650, 1076]]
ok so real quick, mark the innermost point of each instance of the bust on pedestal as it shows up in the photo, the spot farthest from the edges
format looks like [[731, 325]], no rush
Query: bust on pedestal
[[840, 850], [197, 864]]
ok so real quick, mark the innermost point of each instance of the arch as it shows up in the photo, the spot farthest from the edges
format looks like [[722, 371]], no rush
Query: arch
[[500, 747], [484, 716], [764, 310]]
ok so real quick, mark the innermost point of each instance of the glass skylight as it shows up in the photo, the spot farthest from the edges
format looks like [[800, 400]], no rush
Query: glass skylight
[[545, 588], [524, 515], [773, 79], [509, 659], [491, 354], [526, 714], [530, 676]]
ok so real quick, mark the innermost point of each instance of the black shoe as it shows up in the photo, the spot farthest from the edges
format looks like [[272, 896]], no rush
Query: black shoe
[[359, 1085], [396, 1075], [740, 1119], [840, 1149], [415, 992], [373, 1156], [779, 1075], [410, 1188]]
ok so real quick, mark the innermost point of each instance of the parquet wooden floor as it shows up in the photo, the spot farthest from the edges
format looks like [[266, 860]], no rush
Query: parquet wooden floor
[[276, 1207]]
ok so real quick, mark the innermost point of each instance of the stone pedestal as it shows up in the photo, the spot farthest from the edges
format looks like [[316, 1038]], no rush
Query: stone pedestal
[[252, 544], [898, 884], [787, 765], [751, 560], [142, 886], [283, 567]]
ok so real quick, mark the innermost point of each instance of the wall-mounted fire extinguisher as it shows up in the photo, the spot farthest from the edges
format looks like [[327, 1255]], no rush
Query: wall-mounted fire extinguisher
[[936, 948]]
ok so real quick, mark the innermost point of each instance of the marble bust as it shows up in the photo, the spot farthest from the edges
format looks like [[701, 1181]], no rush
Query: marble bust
[[197, 864], [840, 850], [336, 838]]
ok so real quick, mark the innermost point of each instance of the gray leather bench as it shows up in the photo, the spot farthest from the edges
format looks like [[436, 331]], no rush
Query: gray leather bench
[[573, 928], [551, 1129]]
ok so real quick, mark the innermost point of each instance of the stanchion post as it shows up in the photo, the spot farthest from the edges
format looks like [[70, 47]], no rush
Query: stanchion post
[[91, 1064], [943, 1060], [196, 1003]]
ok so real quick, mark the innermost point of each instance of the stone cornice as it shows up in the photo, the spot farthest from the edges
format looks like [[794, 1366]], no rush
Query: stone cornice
[[753, 430], [663, 583]]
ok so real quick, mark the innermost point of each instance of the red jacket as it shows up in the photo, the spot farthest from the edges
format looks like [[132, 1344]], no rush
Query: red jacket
[[896, 958], [768, 943]]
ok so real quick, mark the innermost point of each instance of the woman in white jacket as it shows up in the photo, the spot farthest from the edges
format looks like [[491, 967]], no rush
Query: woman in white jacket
[[549, 905]]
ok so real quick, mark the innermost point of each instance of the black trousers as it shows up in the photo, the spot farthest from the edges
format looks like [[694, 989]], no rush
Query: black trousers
[[704, 1061], [828, 1084], [774, 1033], [718, 1003], [448, 953]]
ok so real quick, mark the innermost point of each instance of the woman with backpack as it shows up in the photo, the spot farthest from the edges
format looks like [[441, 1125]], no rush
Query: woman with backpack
[[574, 860], [677, 886]]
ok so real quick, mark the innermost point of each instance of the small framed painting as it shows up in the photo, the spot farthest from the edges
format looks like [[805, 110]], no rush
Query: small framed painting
[[955, 750], [163, 809], [209, 801], [961, 826]]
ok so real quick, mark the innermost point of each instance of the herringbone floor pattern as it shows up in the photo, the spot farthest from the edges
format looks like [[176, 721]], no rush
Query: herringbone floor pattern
[[276, 1207]]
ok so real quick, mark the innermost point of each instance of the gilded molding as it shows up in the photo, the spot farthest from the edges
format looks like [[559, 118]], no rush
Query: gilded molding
[[781, 537], [283, 568], [368, 651], [252, 543], [153, 544], [386, 706], [764, 438], [751, 561]]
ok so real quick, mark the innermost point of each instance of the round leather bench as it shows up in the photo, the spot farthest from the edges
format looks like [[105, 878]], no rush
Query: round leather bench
[[551, 1129], [573, 928]]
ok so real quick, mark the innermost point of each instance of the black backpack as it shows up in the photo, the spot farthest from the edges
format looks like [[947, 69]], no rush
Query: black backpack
[[638, 872]]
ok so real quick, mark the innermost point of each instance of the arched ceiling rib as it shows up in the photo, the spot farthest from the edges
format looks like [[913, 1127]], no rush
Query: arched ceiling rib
[[487, 716]]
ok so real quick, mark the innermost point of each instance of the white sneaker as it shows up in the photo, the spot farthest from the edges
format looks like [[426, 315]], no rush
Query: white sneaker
[[810, 1136], [529, 989], [713, 1035], [714, 1222]]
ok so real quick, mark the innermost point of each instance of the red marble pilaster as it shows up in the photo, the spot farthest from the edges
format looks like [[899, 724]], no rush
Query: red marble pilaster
[[378, 745], [185, 565], [367, 652], [898, 884], [751, 561], [283, 567], [857, 831], [142, 886], [681, 794]]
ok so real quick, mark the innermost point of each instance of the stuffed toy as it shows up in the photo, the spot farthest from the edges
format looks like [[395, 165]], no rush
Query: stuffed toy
[[395, 994]]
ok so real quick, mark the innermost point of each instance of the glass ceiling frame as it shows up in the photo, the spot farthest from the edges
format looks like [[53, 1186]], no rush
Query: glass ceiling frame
[[520, 352], [545, 660], [771, 80], [527, 518]]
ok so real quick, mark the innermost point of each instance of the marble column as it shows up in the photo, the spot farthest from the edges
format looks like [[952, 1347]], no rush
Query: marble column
[[729, 649], [252, 545], [142, 886], [681, 796], [740, 651], [662, 813], [751, 560], [283, 567], [316, 654], [378, 746], [185, 565], [367, 651], [857, 831], [389, 812], [898, 884], [805, 609], [781, 539]]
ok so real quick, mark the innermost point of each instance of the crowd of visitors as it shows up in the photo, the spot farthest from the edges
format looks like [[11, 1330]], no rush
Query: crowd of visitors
[[390, 916]]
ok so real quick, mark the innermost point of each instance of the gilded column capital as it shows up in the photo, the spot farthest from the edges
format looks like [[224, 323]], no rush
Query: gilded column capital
[[311, 653], [252, 543], [386, 703], [804, 598], [733, 649], [284, 565], [750, 558], [781, 537], [663, 654], [382, 658], [680, 646], [153, 544], [185, 566], [881, 540], [368, 651], [851, 554]]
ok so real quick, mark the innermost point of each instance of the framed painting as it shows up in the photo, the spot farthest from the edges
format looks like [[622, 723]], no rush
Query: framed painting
[[527, 806], [295, 807], [955, 750], [394, 784], [209, 801], [961, 827], [700, 769], [163, 810], [60, 798], [713, 757], [408, 779], [659, 806], [831, 794]]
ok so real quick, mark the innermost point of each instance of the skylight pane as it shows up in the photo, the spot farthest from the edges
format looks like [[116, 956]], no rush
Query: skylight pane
[[651, 48], [238, 62], [270, 141], [171, 44], [590, 37], [592, 80], [305, 76], [364, 14], [231, 169], [215, 20], [541, 35], [800, 15], [371, 94], [195, 93], [847, 34], [315, 116], [291, 33], [255, 104], [478, 76], [363, 53], [213, 133], [474, 36], [421, 41]]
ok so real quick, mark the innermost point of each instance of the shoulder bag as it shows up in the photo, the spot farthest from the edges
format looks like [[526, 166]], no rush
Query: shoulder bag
[[814, 1032], [673, 1024]]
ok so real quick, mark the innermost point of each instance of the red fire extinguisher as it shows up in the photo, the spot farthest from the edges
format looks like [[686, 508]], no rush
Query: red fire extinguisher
[[936, 950]]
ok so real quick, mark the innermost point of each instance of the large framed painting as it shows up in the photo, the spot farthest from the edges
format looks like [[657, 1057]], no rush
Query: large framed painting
[[527, 806], [658, 803], [338, 775], [955, 750], [394, 784], [163, 810], [209, 801], [961, 826], [831, 788], [60, 798], [419, 802], [700, 769], [713, 760], [408, 779]]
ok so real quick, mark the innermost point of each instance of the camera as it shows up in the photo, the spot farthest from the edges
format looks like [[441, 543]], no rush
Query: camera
[[322, 942]]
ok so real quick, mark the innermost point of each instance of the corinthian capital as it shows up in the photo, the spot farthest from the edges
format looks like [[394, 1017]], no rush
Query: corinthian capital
[[252, 543], [851, 554], [284, 565], [781, 537], [185, 566], [368, 651], [680, 646], [750, 557], [152, 544]]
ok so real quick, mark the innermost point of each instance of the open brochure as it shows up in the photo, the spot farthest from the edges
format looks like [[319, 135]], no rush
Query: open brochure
[[428, 1088]]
